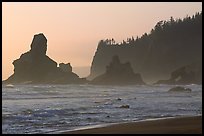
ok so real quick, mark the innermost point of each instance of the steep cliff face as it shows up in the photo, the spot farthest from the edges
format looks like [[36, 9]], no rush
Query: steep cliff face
[[170, 45]]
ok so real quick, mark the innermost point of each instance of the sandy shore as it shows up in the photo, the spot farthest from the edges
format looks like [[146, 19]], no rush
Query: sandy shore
[[176, 125]]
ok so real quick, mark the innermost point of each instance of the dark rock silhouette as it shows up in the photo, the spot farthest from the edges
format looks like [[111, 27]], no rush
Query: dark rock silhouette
[[183, 75], [35, 66], [170, 45], [180, 89], [65, 67], [39, 45], [124, 106], [118, 74]]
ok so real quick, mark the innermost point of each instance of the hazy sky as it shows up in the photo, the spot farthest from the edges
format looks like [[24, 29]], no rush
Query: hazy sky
[[73, 30]]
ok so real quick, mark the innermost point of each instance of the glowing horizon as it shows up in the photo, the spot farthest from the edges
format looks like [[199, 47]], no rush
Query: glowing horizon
[[73, 30]]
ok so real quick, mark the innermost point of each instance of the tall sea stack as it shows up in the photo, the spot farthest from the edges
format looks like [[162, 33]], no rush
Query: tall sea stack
[[35, 66]]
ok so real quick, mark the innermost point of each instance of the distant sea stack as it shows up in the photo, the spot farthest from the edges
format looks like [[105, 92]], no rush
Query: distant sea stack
[[184, 75], [118, 73], [35, 66], [170, 45]]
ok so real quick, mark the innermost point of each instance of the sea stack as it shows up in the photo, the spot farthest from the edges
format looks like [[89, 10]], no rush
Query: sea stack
[[182, 75], [118, 73], [35, 66]]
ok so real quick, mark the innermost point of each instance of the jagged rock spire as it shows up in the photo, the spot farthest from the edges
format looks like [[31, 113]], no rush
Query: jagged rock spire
[[39, 44]]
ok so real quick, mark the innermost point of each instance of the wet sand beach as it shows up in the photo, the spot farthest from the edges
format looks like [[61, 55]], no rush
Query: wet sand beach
[[172, 125]]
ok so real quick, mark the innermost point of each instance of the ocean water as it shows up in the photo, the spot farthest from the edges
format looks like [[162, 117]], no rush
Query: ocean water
[[51, 108]]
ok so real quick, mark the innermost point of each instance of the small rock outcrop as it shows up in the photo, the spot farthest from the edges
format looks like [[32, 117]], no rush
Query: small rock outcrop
[[179, 89], [124, 106], [65, 67], [118, 73], [35, 66]]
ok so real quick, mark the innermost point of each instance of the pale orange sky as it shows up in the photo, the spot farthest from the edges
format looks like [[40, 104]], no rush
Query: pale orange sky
[[73, 29]]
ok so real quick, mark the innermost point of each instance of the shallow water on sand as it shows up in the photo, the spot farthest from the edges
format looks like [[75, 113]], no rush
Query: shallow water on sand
[[48, 108]]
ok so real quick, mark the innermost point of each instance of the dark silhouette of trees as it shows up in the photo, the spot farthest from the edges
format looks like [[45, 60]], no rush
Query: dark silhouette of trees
[[169, 27]]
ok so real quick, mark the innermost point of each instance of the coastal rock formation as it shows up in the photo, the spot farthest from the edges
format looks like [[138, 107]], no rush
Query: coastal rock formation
[[35, 66], [183, 75], [170, 45], [65, 67], [39, 45], [124, 106], [118, 73], [180, 89]]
